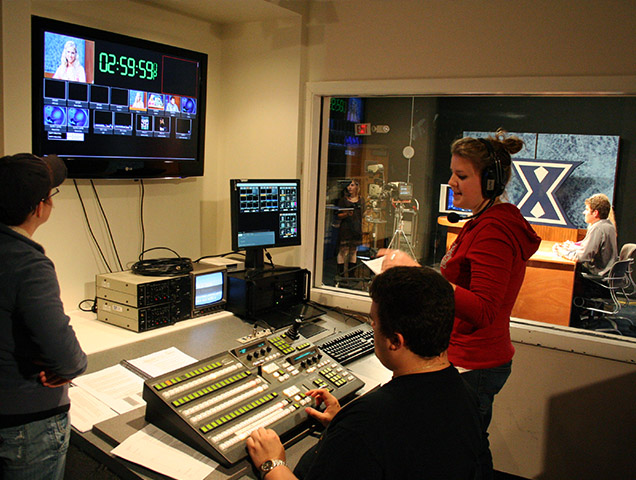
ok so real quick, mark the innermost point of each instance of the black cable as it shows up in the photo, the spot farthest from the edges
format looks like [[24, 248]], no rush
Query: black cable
[[93, 307], [110, 233], [141, 215], [162, 266], [215, 256], [269, 257], [88, 223]]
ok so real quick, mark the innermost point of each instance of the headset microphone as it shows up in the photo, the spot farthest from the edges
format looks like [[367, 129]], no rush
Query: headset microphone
[[456, 217]]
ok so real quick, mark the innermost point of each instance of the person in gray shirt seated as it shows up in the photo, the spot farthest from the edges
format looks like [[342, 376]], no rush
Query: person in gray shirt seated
[[598, 251], [39, 352]]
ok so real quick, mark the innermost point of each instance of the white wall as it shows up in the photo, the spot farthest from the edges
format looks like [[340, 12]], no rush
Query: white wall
[[257, 119], [406, 39]]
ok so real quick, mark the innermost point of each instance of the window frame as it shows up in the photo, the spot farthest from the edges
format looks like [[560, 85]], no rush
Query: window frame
[[523, 331]]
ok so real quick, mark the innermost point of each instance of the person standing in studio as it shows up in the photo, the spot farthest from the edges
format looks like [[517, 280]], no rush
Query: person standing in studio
[[486, 265], [39, 352]]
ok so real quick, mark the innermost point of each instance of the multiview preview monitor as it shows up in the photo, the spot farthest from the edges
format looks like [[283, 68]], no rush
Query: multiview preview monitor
[[265, 213], [113, 106]]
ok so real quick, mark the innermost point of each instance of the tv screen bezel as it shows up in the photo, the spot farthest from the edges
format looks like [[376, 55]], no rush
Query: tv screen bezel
[[113, 167]]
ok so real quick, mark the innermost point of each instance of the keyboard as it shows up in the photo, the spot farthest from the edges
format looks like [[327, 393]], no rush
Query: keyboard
[[349, 346]]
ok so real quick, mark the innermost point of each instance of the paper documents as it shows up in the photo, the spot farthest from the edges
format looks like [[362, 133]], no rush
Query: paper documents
[[116, 386], [375, 265], [161, 362], [160, 452], [86, 410]]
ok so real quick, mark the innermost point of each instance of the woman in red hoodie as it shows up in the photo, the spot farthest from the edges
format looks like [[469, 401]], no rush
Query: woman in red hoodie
[[486, 264]]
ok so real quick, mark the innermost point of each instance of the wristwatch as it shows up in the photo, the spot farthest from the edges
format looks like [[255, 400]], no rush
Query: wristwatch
[[269, 465]]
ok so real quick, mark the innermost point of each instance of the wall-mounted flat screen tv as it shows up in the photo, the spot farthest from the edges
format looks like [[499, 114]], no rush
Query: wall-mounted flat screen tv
[[114, 106]]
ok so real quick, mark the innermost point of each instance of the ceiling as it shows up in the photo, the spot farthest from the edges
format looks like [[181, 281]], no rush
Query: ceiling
[[229, 11]]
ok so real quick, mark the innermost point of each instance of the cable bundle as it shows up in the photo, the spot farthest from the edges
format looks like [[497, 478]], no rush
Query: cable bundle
[[158, 267]]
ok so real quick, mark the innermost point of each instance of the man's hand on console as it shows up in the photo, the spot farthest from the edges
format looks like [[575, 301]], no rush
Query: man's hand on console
[[332, 406], [264, 445]]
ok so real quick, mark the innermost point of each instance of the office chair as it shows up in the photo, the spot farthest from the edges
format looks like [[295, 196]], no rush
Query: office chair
[[616, 281], [629, 251]]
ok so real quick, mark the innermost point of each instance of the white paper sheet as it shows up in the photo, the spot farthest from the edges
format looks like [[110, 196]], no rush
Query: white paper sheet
[[374, 264], [116, 386], [161, 362], [87, 410], [160, 452]]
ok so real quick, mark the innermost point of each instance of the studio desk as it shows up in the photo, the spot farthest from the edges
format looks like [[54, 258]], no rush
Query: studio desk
[[546, 292], [203, 337]]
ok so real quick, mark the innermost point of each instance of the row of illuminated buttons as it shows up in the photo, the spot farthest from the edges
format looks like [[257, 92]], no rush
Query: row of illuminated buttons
[[248, 423], [211, 388], [333, 377], [238, 412], [220, 402], [264, 422], [282, 345], [210, 377], [187, 376]]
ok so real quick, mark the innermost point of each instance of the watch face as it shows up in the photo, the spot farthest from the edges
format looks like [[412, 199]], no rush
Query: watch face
[[267, 466]]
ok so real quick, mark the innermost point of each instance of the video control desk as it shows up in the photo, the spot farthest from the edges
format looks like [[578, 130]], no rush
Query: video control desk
[[213, 404]]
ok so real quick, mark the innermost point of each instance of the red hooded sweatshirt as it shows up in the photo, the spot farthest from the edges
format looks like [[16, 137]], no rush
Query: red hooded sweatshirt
[[487, 263]]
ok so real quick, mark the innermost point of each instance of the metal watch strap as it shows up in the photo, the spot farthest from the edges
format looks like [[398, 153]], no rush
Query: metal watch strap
[[269, 465]]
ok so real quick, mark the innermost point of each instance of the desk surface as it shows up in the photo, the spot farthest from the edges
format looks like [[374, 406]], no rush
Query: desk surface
[[107, 345]]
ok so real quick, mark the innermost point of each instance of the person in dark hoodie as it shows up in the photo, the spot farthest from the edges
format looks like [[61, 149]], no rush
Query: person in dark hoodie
[[486, 265], [39, 352]]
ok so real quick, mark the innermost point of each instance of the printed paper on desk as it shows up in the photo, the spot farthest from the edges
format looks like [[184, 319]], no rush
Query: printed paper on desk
[[116, 386], [155, 449], [86, 410], [161, 362]]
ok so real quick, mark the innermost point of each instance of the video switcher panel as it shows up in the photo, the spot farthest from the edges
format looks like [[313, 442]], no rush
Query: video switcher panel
[[213, 405]]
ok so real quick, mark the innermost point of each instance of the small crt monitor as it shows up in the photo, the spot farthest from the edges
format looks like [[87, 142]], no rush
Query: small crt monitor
[[209, 289], [446, 200]]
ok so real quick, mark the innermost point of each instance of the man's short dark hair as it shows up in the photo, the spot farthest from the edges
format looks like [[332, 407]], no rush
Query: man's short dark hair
[[25, 181], [601, 203], [418, 303]]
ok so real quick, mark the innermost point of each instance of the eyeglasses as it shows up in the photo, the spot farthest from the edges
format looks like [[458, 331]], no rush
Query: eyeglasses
[[55, 192]]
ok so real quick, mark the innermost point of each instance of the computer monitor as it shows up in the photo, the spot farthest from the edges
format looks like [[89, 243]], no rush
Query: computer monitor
[[113, 106], [209, 289], [265, 213], [446, 200]]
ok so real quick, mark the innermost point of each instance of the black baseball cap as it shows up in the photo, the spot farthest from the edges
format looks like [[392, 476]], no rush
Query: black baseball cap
[[25, 181]]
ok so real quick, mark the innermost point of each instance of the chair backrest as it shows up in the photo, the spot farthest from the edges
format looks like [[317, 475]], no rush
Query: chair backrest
[[618, 276], [628, 251]]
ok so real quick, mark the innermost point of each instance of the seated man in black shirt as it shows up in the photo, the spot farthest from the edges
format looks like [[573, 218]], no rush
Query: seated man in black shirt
[[424, 423]]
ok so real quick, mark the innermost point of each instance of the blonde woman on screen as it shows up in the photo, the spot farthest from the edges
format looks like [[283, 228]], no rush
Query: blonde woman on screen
[[70, 67]]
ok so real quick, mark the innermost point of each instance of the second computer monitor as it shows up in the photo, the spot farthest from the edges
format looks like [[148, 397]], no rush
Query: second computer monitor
[[265, 213]]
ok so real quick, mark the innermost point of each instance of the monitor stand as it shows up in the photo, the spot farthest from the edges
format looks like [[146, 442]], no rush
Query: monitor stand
[[254, 259]]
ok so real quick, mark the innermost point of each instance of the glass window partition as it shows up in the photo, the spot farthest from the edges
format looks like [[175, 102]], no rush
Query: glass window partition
[[384, 166]]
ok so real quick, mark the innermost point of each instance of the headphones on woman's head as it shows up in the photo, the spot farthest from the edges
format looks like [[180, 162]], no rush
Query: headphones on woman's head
[[492, 177]]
